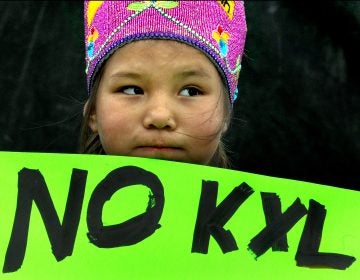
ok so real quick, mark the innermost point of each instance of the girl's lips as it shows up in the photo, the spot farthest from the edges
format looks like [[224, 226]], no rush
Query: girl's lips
[[158, 151], [157, 148]]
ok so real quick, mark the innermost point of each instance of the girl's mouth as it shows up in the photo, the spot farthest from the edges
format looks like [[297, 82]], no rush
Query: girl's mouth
[[158, 148], [166, 152]]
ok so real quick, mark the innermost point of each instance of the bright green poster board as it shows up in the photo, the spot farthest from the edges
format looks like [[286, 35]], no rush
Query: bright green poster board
[[167, 252]]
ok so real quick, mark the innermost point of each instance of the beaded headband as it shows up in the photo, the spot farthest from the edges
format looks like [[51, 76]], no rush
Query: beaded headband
[[217, 28]]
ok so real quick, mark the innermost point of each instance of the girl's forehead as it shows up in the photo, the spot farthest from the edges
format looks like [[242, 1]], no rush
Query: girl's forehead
[[161, 53]]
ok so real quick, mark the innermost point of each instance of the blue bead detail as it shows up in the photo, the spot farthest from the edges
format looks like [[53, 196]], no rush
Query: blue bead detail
[[236, 93], [223, 47], [90, 49]]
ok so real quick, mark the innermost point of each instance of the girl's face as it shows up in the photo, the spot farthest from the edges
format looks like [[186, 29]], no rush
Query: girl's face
[[159, 99]]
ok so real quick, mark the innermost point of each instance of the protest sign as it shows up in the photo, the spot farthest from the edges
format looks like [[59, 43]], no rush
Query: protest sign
[[65, 216]]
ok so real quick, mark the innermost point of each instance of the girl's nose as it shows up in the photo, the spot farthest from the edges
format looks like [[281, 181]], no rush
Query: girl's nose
[[159, 115]]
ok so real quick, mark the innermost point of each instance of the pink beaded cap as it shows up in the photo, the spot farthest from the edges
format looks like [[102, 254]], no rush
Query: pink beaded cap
[[217, 28]]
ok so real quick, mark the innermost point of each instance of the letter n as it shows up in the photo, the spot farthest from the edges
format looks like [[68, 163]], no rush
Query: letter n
[[32, 187]]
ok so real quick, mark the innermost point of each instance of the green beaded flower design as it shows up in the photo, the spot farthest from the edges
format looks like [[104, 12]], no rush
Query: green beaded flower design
[[139, 5]]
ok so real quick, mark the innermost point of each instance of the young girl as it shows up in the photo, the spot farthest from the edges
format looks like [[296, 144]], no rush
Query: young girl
[[162, 78]]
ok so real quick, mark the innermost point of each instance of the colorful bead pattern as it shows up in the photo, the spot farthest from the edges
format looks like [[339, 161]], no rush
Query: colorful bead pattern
[[92, 37], [114, 24], [222, 38]]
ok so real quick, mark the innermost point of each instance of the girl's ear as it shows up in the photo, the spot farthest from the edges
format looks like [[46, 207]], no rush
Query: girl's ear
[[92, 123]]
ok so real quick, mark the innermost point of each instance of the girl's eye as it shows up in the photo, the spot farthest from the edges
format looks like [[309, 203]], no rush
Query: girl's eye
[[190, 91], [131, 90]]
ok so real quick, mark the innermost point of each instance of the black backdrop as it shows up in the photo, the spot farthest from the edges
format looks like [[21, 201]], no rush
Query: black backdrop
[[298, 111]]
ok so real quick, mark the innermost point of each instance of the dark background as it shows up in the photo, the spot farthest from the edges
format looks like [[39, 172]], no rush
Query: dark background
[[297, 115]]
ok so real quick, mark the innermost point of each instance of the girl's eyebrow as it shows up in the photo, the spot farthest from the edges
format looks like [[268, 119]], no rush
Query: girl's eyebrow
[[196, 73], [124, 74]]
